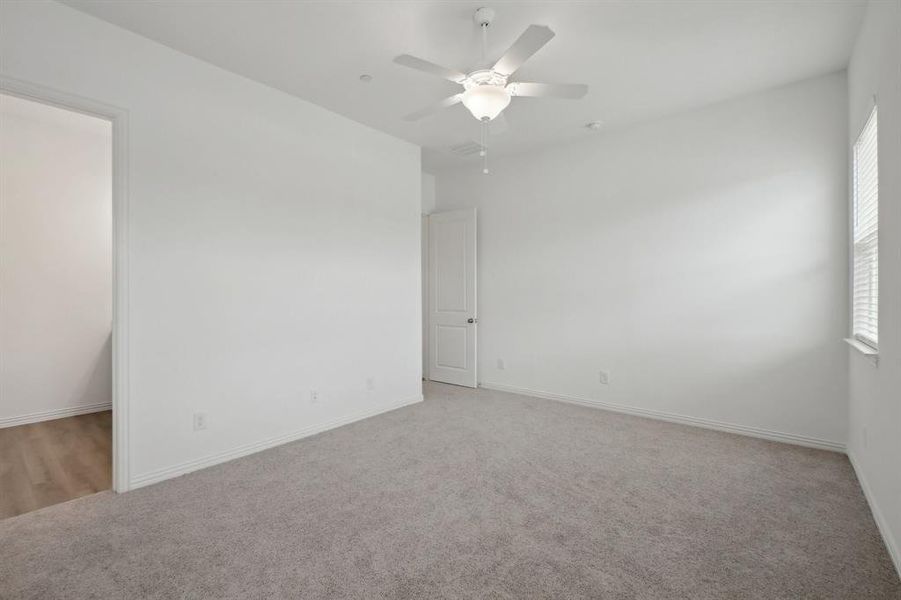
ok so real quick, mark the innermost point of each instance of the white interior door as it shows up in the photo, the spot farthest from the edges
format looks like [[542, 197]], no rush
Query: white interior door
[[452, 297]]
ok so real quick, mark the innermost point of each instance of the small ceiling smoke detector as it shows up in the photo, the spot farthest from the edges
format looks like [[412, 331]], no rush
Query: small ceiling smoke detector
[[483, 16], [594, 125], [365, 78]]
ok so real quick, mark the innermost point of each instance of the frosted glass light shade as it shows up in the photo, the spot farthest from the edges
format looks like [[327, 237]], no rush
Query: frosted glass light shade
[[486, 101]]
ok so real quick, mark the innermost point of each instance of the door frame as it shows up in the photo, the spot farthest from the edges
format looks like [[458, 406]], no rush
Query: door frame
[[120, 375], [426, 313]]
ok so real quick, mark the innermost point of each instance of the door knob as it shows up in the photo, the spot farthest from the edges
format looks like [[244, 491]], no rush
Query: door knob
[[472, 320]]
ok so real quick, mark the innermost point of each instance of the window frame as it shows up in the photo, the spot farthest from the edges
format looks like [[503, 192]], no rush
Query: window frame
[[869, 346]]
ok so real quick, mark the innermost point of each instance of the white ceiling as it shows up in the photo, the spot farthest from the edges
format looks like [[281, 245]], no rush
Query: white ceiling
[[641, 59]]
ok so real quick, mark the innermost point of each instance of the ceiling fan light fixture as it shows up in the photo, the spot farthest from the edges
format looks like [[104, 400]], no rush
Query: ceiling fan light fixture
[[485, 102], [488, 91]]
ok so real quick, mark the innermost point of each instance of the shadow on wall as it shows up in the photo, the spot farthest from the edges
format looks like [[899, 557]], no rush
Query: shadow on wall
[[96, 385]]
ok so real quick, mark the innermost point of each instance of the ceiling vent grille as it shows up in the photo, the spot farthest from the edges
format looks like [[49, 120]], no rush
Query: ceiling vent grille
[[466, 149]]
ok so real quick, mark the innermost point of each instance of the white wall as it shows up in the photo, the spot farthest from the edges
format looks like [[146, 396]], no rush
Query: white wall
[[274, 245], [700, 259], [874, 440], [55, 262], [428, 193]]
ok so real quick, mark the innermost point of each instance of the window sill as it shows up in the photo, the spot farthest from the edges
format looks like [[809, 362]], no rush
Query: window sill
[[867, 351]]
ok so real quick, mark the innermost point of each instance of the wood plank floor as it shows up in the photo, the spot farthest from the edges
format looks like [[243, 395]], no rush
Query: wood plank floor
[[54, 461]]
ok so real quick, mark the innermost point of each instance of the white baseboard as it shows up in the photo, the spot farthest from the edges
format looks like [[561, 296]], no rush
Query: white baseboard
[[56, 413], [776, 436], [881, 523], [221, 457]]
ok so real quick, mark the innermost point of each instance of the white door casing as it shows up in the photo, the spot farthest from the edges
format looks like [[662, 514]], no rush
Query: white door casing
[[452, 297], [120, 368]]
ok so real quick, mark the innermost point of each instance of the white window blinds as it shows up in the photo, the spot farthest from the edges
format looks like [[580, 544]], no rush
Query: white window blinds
[[865, 278]]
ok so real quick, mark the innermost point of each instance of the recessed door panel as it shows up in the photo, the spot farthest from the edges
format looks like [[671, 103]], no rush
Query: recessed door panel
[[451, 266], [451, 346]]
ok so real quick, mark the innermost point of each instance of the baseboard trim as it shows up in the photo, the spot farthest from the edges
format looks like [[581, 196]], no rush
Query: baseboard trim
[[252, 448], [881, 523], [56, 413], [776, 436]]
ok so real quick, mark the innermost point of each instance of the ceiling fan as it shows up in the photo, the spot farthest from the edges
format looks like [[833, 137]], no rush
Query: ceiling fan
[[488, 91]]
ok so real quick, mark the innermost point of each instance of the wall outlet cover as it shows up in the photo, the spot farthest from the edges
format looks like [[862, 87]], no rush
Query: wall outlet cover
[[200, 421]]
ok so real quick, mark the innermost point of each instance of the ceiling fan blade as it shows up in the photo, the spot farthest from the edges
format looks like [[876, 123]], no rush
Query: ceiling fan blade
[[548, 90], [429, 67], [530, 42], [450, 101]]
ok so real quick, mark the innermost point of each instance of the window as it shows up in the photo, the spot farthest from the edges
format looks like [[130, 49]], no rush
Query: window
[[865, 231]]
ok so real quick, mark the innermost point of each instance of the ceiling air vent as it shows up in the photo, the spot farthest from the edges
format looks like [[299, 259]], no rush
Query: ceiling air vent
[[466, 149]]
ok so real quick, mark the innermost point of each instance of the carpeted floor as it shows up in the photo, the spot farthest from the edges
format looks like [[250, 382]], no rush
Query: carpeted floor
[[472, 494]]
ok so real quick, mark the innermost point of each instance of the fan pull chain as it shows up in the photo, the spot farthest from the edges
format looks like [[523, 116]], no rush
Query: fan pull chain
[[484, 130], [484, 152]]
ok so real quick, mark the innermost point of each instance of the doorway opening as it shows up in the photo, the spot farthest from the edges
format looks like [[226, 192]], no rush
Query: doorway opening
[[56, 304]]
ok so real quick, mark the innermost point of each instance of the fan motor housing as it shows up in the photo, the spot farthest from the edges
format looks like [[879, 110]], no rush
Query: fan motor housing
[[484, 77]]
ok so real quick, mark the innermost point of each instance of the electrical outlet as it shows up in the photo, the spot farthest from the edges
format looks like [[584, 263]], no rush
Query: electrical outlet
[[604, 377], [370, 384], [500, 364], [200, 421], [314, 396]]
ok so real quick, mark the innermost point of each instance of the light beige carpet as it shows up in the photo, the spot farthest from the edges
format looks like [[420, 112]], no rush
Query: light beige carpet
[[472, 495]]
